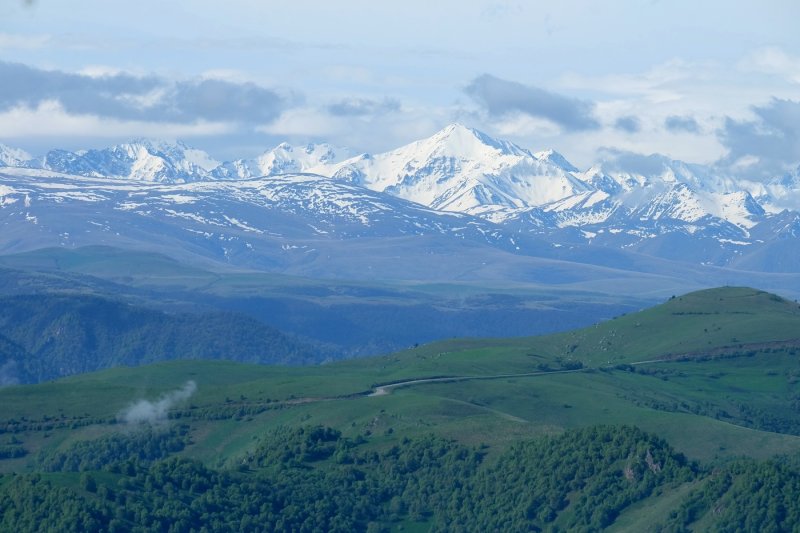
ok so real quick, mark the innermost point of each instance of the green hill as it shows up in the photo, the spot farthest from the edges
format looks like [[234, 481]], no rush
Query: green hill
[[55, 335], [709, 321], [669, 419]]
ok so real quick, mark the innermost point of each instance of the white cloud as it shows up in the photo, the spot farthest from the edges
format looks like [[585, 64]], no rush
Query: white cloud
[[773, 61], [11, 41], [224, 74], [123, 96], [304, 121], [745, 163], [100, 71], [368, 133], [582, 148], [768, 145], [144, 100], [526, 126], [49, 119], [658, 84]]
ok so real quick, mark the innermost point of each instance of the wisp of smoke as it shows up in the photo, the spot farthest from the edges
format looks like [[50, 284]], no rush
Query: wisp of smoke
[[147, 412]]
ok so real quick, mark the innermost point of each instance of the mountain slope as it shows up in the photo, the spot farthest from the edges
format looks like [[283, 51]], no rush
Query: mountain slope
[[283, 159], [55, 335], [140, 160], [520, 200], [461, 169], [296, 224], [12, 157]]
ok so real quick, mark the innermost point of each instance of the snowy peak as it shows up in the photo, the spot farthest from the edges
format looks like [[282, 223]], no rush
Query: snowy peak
[[462, 169], [678, 196], [631, 171], [140, 160], [161, 161], [554, 158], [739, 208], [12, 157], [457, 140], [284, 159], [782, 192], [176, 153]]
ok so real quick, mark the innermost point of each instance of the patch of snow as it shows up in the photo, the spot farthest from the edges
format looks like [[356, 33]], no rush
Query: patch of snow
[[179, 198], [243, 225]]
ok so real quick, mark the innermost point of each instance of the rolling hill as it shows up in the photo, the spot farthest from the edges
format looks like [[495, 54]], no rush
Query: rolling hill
[[640, 423]]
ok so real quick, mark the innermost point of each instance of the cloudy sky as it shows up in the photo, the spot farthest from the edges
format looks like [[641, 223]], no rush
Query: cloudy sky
[[707, 82]]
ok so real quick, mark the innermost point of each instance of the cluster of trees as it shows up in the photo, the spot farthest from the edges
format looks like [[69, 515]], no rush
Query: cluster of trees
[[314, 479], [579, 481], [140, 446], [12, 451], [745, 495], [31, 503]]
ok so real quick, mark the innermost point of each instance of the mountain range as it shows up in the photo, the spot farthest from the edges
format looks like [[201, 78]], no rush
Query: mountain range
[[483, 207]]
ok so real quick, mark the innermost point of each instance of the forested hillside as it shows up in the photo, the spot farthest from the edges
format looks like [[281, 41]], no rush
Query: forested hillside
[[314, 479], [54, 335]]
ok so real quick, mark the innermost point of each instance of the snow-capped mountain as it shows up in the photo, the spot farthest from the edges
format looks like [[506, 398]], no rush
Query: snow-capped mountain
[[288, 222], [644, 197], [554, 158], [284, 159], [140, 160], [523, 201], [311, 225], [463, 170], [629, 173], [782, 192], [656, 187], [12, 157]]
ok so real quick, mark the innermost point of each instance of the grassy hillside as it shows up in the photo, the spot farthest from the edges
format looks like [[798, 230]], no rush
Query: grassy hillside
[[715, 374], [716, 319]]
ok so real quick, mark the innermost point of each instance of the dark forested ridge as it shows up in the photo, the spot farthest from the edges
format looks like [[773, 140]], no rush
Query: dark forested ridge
[[45, 336]]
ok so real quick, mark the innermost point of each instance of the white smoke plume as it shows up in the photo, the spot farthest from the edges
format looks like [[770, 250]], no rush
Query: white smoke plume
[[147, 412]]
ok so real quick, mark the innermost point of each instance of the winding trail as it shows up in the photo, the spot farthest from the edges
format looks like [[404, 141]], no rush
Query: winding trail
[[383, 390]]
